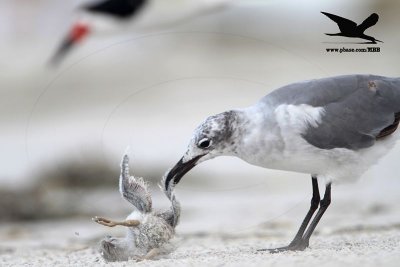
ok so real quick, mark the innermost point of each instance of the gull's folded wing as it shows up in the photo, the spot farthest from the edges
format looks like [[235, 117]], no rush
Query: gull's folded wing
[[357, 120]]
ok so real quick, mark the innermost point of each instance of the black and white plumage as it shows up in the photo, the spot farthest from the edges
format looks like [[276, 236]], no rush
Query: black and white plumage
[[113, 17], [120, 9], [149, 232], [333, 128]]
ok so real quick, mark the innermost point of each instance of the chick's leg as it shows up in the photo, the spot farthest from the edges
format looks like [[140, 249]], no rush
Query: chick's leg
[[110, 223], [154, 252]]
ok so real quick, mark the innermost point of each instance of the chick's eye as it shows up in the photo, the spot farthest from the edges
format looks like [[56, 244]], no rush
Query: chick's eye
[[204, 143]]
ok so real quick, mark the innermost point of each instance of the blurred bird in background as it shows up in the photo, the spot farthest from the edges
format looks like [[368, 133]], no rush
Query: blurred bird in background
[[119, 16]]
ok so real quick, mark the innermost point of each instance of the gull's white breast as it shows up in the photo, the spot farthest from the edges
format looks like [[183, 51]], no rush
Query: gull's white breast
[[274, 140]]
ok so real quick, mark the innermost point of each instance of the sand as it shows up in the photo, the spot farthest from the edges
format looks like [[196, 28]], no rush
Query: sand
[[359, 248], [357, 230]]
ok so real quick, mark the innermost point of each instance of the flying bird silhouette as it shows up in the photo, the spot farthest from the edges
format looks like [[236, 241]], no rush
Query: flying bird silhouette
[[349, 28]]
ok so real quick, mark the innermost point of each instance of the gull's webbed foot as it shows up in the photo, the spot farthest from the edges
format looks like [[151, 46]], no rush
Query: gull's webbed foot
[[301, 240], [297, 246]]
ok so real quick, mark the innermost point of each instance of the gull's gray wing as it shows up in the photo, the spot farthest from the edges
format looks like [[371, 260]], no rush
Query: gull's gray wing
[[356, 121], [317, 92], [134, 189], [359, 109]]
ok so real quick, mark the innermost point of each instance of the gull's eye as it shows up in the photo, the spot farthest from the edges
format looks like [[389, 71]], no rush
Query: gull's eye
[[204, 143]]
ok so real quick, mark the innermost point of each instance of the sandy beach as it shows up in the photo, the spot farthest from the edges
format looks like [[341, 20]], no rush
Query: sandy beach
[[226, 228], [375, 248], [63, 131]]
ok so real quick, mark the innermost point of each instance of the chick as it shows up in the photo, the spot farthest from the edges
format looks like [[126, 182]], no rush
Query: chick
[[149, 232]]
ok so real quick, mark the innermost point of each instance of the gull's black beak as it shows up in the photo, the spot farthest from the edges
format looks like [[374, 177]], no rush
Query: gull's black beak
[[179, 170]]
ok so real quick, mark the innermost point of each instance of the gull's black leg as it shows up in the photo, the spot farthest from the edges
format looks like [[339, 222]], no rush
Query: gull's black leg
[[314, 206], [325, 202], [300, 242]]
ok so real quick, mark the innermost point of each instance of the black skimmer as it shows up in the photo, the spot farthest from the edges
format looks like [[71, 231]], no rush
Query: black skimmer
[[117, 16]]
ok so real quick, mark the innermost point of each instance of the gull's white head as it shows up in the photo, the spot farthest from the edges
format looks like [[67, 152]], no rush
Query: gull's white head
[[216, 136]]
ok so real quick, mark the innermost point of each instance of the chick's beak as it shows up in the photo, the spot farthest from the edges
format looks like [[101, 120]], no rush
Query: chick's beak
[[180, 169]]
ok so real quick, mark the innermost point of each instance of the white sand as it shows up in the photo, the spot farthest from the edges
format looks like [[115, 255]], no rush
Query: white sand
[[360, 248], [225, 228]]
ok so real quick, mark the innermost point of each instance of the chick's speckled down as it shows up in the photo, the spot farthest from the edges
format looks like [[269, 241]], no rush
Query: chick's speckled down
[[149, 232]]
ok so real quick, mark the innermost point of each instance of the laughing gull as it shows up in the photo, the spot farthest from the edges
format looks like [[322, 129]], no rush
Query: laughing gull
[[349, 28], [110, 17], [332, 128]]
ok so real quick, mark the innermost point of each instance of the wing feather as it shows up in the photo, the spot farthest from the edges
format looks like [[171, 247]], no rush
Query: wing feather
[[359, 119], [133, 189], [171, 215], [117, 8]]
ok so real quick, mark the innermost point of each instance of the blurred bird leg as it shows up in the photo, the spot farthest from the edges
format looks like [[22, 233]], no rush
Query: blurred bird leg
[[150, 255], [110, 223]]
